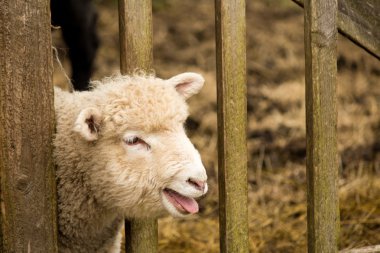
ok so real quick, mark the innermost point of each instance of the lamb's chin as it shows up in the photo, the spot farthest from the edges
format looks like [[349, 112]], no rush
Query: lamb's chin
[[149, 213]]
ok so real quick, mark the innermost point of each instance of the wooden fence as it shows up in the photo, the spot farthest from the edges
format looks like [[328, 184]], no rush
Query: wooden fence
[[27, 188]]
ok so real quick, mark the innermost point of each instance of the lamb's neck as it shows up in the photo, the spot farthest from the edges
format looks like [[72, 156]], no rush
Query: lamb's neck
[[90, 221]]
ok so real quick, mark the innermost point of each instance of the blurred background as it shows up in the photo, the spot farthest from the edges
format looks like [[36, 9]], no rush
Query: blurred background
[[184, 41]]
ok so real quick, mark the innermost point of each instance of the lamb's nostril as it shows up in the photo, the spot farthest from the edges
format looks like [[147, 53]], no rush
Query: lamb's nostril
[[199, 184]]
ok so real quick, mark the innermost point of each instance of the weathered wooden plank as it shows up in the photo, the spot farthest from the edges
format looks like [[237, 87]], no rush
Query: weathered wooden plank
[[137, 231], [359, 21], [232, 123], [27, 188], [136, 52], [368, 249], [136, 39], [321, 124]]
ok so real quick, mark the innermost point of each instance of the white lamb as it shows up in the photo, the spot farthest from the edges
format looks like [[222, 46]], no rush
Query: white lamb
[[121, 151]]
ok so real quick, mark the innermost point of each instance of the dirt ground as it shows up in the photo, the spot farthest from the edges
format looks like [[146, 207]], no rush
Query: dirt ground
[[184, 41]]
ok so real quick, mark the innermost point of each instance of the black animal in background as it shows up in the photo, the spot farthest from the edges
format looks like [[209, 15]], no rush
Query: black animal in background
[[77, 19]]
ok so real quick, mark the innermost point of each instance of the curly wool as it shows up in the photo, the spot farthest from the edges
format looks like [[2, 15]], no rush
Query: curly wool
[[97, 185]]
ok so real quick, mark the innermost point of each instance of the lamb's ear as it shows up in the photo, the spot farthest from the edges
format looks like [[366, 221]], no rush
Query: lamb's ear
[[187, 84], [88, 123]]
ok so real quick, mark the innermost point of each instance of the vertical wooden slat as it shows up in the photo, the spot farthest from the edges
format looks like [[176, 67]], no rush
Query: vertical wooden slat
[[136, 35], [321, 124], [27, 188], [136, 234], [136, 52], [232, 123]]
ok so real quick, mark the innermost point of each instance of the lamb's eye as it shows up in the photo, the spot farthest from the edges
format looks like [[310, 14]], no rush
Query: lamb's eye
[[134, 141]]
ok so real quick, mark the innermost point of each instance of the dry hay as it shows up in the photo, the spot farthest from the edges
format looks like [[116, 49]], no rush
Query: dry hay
[[277, 216]]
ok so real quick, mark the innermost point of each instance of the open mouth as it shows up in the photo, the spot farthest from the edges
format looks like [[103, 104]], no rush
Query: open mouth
[[185, 205]]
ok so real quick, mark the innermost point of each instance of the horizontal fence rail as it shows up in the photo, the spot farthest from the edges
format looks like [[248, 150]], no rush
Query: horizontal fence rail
[[27, 188], [368, 249], [321, 125], [359, 21]]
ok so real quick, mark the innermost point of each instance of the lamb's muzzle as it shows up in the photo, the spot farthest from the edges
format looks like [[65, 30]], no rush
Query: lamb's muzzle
[[184, 203]]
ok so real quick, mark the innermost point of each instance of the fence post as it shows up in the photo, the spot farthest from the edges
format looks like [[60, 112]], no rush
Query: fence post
[[136, 52], [321, 124], [27, 188], [232, 124]]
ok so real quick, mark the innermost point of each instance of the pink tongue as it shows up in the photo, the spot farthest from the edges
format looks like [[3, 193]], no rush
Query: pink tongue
[[189, 204]]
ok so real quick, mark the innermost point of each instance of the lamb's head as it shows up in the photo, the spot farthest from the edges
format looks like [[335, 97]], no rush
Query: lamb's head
[[142, 161]]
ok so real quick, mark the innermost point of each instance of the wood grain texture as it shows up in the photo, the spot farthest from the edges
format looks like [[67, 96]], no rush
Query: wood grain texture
[[136, 234], [27, 188], [232, 124], [135, 31], [136, 52], [359, 21], [368, 249], [321, 125]]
